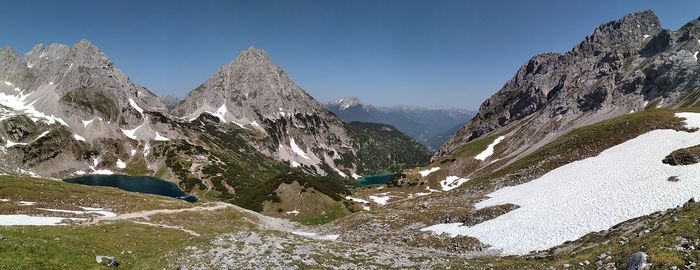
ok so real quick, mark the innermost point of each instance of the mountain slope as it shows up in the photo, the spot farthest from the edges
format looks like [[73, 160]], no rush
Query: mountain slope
[[74, 96], [625, 65], [67, 111], [254, 93]]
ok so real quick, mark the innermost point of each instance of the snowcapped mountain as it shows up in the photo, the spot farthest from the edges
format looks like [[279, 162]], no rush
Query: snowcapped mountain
[[68, 111], [73, 96], [254, 93], [431, 127]]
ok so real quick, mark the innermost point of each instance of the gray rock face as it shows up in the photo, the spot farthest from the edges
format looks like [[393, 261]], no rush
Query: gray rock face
[[622, 67], [76, 99], [638, 261], [254, 93], [73, 84]]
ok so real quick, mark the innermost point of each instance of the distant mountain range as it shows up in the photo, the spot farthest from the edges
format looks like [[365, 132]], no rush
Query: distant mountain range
[[68, 111], [430, 127]]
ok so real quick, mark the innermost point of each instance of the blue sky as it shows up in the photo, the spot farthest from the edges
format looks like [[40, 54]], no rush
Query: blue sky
[[438, 53]]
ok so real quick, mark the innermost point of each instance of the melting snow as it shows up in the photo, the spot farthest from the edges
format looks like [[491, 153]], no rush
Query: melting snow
[[103, 172], [9, 144], [341, 173], [489, 150], [356, 199], [121, 164], [425, 173], [131, 133], [146, 149], [88, 210], [78, 137], [25, 220], [379, 199], [135, 106], [220, 113], [19, 103], [86, 123], [452, 182], [297, 150], [316, 236], [629, 179], [160, 138], [80, 172], [42, 135]]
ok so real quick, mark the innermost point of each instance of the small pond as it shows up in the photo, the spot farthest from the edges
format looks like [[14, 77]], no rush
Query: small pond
[[141, 184]]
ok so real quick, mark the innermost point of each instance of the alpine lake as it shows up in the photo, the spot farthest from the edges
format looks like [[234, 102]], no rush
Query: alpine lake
[[141, 184]]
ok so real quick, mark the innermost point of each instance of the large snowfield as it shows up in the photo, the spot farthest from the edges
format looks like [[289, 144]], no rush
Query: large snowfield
[[623, 182]]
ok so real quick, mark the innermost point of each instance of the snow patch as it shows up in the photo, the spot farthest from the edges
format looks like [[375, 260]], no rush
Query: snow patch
[[9, 144], [19, 103], [425, 173], [135, 106], [297, 150], [644, 37], [8, 83], [131, 133], [121, 164], [293, 212], [87, 123], [629, 179], [25, 220], [384, 199], [341, 173], [25, 203], [42, 135], [316, 236], [88, 210], [356, 199], [695, 55], [489, 150], [78, 137], [356, 176], [160, 138], [452, 182]]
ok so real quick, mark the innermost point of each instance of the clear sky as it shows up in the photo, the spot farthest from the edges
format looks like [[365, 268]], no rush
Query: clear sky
[[431, 53]]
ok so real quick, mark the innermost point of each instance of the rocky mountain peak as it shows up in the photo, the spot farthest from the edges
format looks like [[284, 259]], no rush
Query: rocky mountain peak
[[634, 28], [252, 55], [346, 102], [86, 54], [620, 68], [12, 66]]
